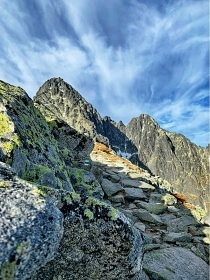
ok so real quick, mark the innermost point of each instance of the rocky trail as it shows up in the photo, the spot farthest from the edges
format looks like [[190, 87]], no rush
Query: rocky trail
[[172, 233]]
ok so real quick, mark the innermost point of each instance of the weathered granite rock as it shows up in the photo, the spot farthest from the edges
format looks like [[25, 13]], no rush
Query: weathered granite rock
[[173, 157], [58, 100], [110, 188], [181, 224], [175, 263], [98, 243], [31, 227], [94, 242]]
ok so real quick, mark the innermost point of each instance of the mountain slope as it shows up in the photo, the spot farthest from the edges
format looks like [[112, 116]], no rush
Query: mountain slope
[[169, 155], [173, 157]]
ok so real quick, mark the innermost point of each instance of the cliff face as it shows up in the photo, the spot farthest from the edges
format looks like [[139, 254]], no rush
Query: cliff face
[[173, 157], [169, 155]]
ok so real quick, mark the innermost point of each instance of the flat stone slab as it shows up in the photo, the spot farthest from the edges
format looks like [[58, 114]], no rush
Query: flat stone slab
[[181, 224], [133, 193], [155, 208], [140, 226], [110, 188], [175, 263], [144, 215], [178, 237], [137, 184]]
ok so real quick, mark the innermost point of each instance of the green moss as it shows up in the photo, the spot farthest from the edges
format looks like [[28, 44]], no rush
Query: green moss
[[8, 271], [9, 161], [5, 125], [75, 196], [8, 146], [93, 201], [36, 173], [113, 214], [5, 184], [16, 140], [89, 214]]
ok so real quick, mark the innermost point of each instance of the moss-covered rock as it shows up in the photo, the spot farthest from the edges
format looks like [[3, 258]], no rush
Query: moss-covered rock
[[41, 151]]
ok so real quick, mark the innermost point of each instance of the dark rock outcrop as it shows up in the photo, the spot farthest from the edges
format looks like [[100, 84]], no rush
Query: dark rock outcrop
[[174, 158], [58, 100], [38, 150]]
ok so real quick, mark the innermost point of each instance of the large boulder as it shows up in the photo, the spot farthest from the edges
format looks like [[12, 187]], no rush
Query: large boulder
[[31, 227], [52, 233], [98, 243]]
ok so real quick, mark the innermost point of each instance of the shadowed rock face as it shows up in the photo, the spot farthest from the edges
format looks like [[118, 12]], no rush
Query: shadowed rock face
[[169, 155]]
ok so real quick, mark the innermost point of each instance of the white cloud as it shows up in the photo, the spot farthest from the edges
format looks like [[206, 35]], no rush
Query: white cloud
[[126, 58]]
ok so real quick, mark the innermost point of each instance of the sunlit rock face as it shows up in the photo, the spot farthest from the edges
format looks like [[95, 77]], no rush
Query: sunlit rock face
[[173, 157]]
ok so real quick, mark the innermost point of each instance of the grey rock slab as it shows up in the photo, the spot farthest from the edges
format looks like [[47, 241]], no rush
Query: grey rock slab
[[137, 184], [167, 218], [144, 215], [114, 178], [155, 208], [110, 188], [181, 224], [175, 263], [131, 183], [117, 198], [89, 178], [178, 237], [133, 193], [140, 226], [155, 197], [97, 248]]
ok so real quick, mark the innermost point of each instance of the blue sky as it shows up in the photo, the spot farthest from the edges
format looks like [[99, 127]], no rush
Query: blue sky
[[126, 57]]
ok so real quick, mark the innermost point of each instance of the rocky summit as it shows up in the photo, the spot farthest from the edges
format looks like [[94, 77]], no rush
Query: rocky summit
[[84, 197]]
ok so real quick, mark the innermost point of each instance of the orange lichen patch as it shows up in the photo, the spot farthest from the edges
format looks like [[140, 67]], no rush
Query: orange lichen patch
[[103, 148], [183, 199], [189, 206], [180, 197]]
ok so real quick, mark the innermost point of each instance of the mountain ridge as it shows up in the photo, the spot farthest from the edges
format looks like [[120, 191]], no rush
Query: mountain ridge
[[164, 153]]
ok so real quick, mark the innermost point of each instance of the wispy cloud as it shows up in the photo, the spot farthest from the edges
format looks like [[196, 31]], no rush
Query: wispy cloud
[[125, 57]]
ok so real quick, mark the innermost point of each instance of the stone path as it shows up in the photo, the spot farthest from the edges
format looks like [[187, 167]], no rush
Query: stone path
[[167, 226]]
